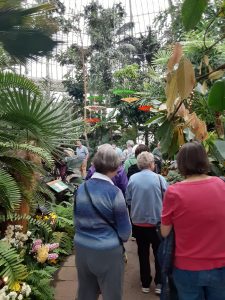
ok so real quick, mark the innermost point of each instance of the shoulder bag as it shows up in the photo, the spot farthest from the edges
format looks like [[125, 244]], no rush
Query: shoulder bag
[[100, 214]]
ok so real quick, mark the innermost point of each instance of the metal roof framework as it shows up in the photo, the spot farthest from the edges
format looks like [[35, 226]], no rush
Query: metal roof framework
[[141, 12]]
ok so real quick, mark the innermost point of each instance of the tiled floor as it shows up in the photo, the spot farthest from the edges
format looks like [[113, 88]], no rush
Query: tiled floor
[[66, 281]]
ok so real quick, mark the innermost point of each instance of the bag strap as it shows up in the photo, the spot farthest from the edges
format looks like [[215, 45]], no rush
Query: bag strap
[[101, 215], [161, 188]]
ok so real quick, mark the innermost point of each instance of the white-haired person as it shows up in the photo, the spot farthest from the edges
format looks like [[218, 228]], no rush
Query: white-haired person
[[102, 224], [144, 194], [127, 153]]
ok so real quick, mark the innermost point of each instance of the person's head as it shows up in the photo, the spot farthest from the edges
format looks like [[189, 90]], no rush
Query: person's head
[[158, 145], [130, 144], [192, 159], [145, 160], [69, 152], [106, 161], [114, 146], [78, 143], [141, 148]]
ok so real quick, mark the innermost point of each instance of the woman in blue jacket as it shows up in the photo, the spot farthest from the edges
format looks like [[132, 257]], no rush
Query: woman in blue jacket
[[102, 224]]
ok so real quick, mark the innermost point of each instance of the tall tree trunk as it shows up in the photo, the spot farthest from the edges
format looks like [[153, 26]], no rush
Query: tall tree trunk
[[29, 185], [84, 67], [146, 134]]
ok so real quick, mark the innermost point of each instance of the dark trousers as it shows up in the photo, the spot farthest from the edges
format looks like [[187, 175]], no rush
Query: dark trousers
[[129, 209], [146, 236]]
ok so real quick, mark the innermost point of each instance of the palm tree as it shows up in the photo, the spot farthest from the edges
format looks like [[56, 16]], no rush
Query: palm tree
[[26, 32], [30, 130]]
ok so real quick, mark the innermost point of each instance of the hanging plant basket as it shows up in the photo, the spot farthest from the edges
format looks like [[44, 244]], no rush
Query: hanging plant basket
[[145, 108], [124, 93], [96, 97], [93, 120], [130, 99]]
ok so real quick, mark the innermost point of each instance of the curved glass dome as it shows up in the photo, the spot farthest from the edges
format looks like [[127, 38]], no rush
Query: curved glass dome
[[141, 12]]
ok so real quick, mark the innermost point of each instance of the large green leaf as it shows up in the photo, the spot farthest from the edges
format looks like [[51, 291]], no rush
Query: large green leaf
[[192, 11], [165, 135], [156, 120], [216, 98]]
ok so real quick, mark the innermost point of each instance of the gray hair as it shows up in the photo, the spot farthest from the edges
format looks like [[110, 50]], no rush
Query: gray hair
[[106, 160], [130, 143], [144, 160]]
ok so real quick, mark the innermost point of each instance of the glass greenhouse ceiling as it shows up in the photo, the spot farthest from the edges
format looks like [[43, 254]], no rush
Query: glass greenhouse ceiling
[[141, 12]]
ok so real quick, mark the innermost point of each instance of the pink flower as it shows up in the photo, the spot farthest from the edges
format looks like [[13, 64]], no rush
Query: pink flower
[[53, 256], [36, 245], [53, 246], [37, 242], [35, 248]]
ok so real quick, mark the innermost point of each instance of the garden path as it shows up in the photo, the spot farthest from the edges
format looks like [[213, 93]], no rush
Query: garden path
[[66, 280]]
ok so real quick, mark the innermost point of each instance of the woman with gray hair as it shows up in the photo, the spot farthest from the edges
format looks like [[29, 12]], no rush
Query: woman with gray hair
[[144, 194], [102, 225]]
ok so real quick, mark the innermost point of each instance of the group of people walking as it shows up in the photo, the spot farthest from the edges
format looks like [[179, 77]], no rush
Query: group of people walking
[[194, 209]]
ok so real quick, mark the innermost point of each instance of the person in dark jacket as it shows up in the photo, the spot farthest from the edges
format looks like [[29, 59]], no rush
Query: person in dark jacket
[[134, 168]]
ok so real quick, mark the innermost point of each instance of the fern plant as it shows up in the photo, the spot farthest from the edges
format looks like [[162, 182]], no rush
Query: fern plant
[[9, 191], [11, 265], [65, 242], [40, 283], [64, 212]]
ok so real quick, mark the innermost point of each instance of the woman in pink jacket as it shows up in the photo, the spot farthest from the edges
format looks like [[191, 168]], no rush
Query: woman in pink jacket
[[195, 208]]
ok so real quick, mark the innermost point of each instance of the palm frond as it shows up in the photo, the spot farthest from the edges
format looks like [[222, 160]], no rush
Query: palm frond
[[11, 265], [37, 43], [15, 30], [18, 165], [10, 80], [26, 114], [10, 196], [10, 3], [43, 154], [161, 57]]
